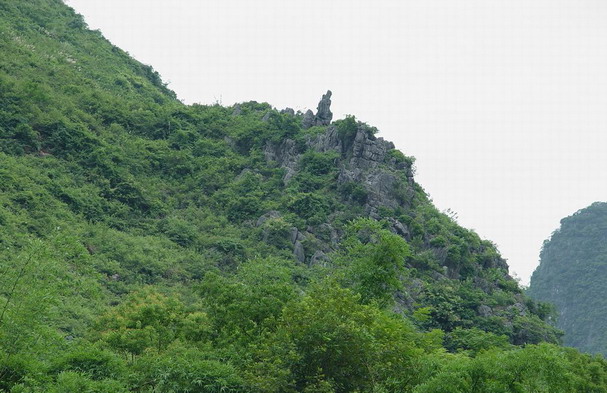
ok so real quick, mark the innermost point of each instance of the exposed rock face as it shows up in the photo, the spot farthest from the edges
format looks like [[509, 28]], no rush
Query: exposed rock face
[[298, 251], [400, 229], [319, 258], [371, 164], [518, 308], [323, 114], [484, 311], [272, 214], [296, 236], [285, 154], [365, 161]]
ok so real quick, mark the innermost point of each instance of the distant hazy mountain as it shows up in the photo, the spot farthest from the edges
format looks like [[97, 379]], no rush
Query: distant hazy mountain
[[573, 276]]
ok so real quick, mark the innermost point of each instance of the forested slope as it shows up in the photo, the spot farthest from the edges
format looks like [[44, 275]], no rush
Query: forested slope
[[152, 246], [572, 275]]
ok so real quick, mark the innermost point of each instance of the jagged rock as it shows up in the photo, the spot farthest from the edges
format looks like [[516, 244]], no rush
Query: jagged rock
[[296, 236], [328, 141], [372, 212], [284, 154], [381, 185], [298, 252], [519, 308], [326, 233], [308, 119], [288, 111], [368, 151], [484, 311], [365, 160], [266, 117], [323, 114], [237, 110], [272, 214], [483, 284], [399, 228], [319, 258], [294, 233]]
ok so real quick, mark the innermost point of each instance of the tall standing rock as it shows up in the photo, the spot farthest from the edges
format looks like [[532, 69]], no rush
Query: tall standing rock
[[324, 114]]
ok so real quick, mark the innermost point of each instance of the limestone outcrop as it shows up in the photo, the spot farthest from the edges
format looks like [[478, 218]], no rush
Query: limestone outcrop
[[364, 160]]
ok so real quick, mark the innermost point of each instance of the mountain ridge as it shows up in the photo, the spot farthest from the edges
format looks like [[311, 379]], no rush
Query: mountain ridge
[[154, 246]]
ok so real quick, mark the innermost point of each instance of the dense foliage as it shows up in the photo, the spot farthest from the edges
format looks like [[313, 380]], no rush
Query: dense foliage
[[149, 246], [572, 274]]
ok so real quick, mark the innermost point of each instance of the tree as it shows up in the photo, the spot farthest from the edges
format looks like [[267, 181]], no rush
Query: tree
[[374, 261], [148, 320], [329, 340]]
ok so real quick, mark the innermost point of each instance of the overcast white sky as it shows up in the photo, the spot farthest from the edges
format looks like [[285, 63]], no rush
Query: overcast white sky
[[503, 103]]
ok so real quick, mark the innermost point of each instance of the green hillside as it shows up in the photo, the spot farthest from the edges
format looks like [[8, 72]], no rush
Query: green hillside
[[572, 274], [150, 246]]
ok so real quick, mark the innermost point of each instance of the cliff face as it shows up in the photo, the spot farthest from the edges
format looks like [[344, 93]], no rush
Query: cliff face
[[572, 275], [363, 159]]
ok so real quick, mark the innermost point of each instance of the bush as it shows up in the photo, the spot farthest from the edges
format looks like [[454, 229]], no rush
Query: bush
[[310, 206], [347, 127], [93, 362], [354, 191], [318, 164], [182, 370], [73, 382]]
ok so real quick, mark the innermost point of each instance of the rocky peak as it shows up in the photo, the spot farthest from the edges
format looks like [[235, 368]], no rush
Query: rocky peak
[[323, 114], [365, 162]]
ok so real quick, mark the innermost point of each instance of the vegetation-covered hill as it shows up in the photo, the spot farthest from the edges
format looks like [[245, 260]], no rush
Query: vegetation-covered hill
[[572, 275], [150, 246]]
